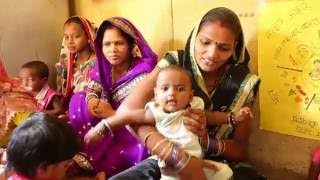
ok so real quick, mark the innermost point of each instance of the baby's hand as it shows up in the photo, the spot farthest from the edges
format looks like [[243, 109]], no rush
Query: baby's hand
[[242, 114], [94, 135]]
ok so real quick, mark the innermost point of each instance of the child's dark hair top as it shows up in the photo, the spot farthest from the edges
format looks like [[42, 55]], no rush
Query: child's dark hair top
[[179, 69], [39, 67], [40, 141]]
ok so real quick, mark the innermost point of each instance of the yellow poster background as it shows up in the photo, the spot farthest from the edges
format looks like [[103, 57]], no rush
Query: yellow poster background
[[289, 67]]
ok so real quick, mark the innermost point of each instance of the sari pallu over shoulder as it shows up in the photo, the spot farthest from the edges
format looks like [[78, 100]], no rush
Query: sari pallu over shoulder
[[237, 86], [66, 63], [113, 154]]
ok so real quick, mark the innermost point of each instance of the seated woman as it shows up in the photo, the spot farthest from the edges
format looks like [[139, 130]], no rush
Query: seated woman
[[215, 54], [77, 56], [123, 59]]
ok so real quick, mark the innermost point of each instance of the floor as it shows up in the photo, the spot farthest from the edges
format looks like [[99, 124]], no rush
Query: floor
[[280, 174]]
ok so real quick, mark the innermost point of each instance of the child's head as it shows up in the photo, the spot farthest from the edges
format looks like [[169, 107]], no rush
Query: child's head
[[42, 147], [173, 89], [34, 75], [76, 38]]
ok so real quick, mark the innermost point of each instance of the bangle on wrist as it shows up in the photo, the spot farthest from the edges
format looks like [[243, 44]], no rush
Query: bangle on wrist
[[89, 96], [174, 158], [216, 147], [106, 124], [174, 162], [104, 128], [182, 163]]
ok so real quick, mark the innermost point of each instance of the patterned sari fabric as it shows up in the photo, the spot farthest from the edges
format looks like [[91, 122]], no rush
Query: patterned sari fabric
[[69, 81], [113, 154], [236, 87]]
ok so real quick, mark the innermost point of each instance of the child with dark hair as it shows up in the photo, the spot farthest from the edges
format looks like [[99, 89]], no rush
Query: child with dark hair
[[34, 78], [41, 148]]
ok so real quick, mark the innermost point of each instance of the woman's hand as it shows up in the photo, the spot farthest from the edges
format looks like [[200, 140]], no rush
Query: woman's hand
[[103, 109], [92, 105], [242, 114], [94, 135], [195, 121], [99, 108]]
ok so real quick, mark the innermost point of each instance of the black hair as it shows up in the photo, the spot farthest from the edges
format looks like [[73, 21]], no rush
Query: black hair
[[108, 25], [226, 16], [39, 67], [179, 69], [77, 20], [41, 140]]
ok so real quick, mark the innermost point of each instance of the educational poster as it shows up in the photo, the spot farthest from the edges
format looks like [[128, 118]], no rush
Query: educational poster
[[289, 67]]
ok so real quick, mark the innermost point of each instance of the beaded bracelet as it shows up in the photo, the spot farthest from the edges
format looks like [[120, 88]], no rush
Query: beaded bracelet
[[232, 119]]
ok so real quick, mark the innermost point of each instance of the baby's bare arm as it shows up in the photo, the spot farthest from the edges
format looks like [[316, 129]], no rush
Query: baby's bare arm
[[134, 117]]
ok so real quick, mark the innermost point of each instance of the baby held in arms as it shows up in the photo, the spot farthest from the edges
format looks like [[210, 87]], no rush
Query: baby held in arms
[[173, 97]]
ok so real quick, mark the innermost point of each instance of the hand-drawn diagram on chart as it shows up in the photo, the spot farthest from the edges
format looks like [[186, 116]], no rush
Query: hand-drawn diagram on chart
[[289, 67]]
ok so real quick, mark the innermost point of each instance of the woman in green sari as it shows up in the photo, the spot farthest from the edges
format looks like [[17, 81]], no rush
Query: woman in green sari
[[216, 56]]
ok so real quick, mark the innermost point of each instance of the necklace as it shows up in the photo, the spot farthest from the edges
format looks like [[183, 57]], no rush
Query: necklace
[[80, 63]]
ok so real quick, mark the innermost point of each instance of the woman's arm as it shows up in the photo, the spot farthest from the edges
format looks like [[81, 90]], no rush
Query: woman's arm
[[96, 106], [134, 117], [235, 149]]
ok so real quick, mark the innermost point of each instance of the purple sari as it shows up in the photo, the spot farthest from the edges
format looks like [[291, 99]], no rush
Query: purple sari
[[113, 154]]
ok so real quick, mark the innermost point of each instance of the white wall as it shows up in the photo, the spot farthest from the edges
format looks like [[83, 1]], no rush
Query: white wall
[[31, 30]]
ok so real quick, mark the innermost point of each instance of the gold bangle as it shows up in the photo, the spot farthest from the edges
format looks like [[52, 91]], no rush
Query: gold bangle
[[147, 136], [169, 152], [164, 151], [157, 145]]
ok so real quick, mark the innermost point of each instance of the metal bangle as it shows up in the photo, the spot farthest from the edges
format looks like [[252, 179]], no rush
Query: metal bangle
[[106, 124], [174, 158], [182, 163], [89, 96]]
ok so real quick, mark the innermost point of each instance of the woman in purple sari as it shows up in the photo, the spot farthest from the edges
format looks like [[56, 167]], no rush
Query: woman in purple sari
[[123, 60]]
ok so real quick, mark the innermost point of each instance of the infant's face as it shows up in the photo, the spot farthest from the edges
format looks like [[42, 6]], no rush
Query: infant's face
[[173, 90]]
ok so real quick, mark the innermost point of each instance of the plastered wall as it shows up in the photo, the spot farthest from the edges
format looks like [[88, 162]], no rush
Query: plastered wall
[[31, 30], [166, 25]]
